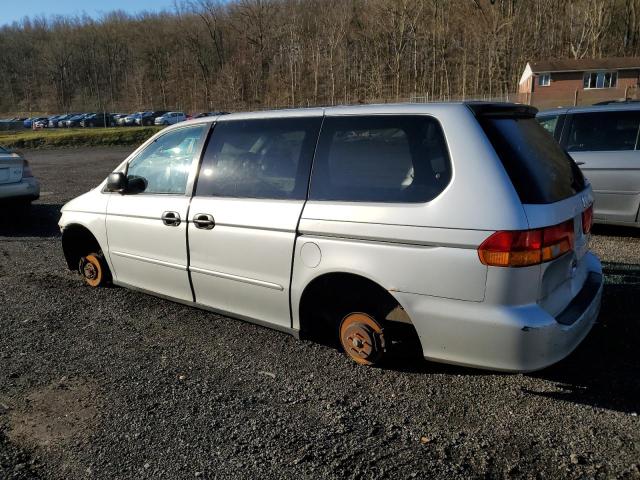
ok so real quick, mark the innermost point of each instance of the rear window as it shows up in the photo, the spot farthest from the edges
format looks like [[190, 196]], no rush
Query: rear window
[[603, 131], [540, 170], [380, 159]]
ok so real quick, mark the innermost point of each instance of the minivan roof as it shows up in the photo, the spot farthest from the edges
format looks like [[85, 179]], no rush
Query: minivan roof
[[613, 107], [381, 108]]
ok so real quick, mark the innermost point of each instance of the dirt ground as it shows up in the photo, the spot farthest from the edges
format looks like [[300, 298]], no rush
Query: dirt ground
[[114, 384]]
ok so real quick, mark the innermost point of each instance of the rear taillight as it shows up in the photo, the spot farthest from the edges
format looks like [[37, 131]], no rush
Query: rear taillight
[[26, 170], [587, 219], [522, 248]]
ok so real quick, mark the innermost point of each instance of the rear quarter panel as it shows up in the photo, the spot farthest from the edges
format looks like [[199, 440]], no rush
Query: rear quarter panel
[[422, 248]]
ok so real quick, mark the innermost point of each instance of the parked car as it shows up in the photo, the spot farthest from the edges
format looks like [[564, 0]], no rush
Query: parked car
[[603, 140], [121, 120], [17, 184], [71, 120], [115, 117], [28, 123], [42, 122], [131, 120], [63, 118], [207, 114], [75, 121], [52, 121], [148, 118], [170, 118], [97, 120], [489, 267]]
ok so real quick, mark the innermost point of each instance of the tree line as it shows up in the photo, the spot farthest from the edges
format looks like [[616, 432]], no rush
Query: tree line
[[246, 54]]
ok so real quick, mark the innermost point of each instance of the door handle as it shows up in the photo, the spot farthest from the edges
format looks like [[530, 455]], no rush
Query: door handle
[[171, 219], [204, 221], [579, 163]]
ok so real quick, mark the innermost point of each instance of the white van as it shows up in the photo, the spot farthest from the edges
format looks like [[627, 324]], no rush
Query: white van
[[465, 225]]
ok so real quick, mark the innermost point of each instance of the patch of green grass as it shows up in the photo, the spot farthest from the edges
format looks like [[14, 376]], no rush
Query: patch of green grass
[[76, 137]]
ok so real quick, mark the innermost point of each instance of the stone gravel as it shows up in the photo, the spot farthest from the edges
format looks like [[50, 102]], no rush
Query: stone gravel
[[114, 384]]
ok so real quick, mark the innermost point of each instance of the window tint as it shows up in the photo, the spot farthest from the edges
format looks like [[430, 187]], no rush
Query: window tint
[[164, 165], [265, 158], [538, 167], [602, 131], [380, 159]]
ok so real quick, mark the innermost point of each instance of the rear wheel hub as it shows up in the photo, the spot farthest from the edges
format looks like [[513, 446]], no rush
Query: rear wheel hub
[[362, 338]]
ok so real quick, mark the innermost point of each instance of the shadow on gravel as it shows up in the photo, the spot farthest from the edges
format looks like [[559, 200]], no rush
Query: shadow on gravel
[[15, 462], [616, 231], [40, 220], [604, 370]]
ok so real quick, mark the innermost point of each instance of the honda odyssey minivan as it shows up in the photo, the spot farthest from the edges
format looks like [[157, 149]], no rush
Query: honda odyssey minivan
[[463, 226]]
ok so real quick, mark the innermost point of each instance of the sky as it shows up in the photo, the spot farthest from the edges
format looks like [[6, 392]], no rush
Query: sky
[[14, 10]]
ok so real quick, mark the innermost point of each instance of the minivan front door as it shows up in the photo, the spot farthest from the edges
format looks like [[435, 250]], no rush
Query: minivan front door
[[604, 145], [249, 196], [147, 225]]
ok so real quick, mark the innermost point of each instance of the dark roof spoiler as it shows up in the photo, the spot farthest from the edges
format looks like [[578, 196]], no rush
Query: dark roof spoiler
[[485, 109]]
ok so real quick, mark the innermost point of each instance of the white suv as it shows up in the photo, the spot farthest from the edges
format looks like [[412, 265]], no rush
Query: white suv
[[170, 118], [464, 225]]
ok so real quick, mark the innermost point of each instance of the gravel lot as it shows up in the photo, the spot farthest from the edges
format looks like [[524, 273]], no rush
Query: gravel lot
[[116, 384]]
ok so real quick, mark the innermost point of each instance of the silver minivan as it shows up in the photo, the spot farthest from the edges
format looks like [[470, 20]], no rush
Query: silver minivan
[[461, 227], [17, 183], [603, 140]]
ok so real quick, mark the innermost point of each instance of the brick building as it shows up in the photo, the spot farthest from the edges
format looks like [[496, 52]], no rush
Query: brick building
[[584, 81]]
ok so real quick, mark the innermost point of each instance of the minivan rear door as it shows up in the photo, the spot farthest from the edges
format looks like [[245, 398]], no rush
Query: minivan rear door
[[243, 218], [604, 145], [553, 192]]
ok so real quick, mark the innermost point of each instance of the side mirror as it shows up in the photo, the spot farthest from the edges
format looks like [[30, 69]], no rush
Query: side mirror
[[117, 182]]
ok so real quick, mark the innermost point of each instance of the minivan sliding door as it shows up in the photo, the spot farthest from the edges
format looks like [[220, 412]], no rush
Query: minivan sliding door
[[605, 146], [244, 215]]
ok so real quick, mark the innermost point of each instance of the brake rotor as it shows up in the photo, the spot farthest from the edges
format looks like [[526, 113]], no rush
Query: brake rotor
[[362, 338], [91, 270]]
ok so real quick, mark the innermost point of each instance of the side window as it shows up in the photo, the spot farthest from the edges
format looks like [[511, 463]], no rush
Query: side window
[[603, 131], [380, 159], [165, 164], [553, 124], [262, 158], [548, 123]]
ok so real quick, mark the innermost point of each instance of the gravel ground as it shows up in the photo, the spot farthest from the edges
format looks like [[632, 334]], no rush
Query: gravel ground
[[115, 384]]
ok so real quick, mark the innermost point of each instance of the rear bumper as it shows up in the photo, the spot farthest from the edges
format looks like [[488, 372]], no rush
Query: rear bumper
[[27, 189], [509, 338]]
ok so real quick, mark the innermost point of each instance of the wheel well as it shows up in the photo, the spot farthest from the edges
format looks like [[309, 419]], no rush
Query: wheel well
[[328, 298], [77, 241]]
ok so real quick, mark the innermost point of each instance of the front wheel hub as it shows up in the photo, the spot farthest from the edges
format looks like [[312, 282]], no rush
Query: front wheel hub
[[362, 338], [91, 270]]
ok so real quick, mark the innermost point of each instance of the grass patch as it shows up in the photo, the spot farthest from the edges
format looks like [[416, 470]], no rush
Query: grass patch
[[76, 137]]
